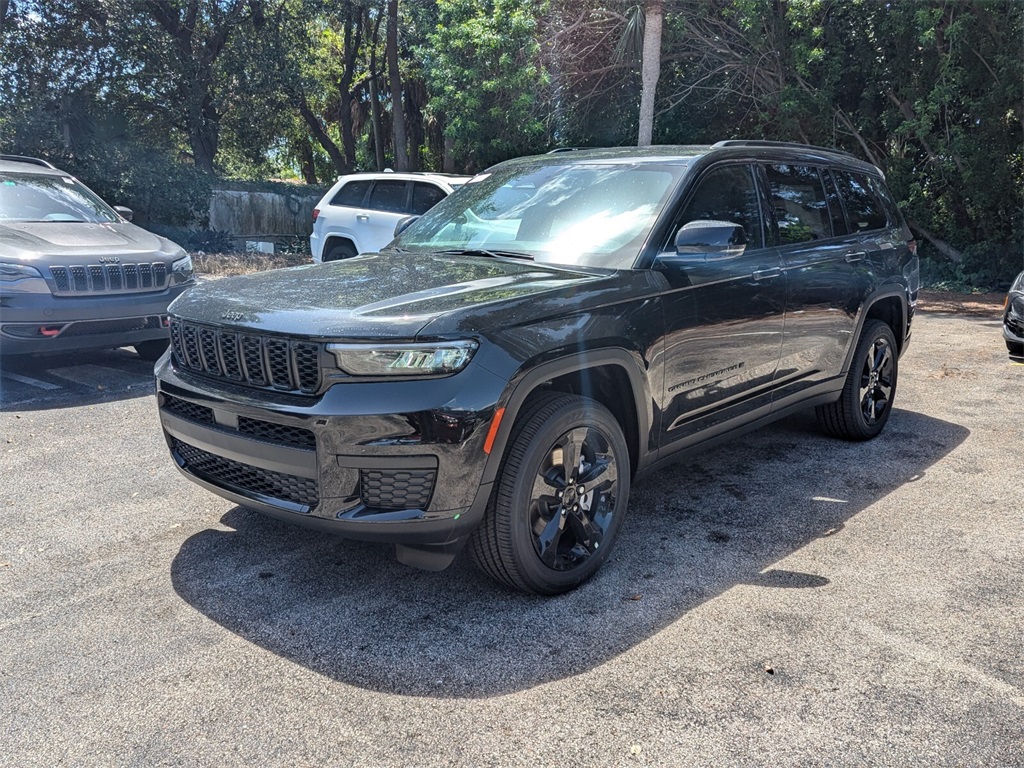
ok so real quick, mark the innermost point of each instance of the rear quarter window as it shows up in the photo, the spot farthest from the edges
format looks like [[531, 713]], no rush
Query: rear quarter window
[[864, 210], [352, 194]]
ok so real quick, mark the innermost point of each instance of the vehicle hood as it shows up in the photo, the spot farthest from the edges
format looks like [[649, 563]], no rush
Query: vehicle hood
[[78, 242], [386, 295]]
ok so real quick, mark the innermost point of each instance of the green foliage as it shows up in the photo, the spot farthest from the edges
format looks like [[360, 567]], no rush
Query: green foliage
[[482, 66]]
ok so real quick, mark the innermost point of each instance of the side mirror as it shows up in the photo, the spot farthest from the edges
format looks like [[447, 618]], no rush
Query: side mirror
[[711, 238], [126, 213], [403, 224]]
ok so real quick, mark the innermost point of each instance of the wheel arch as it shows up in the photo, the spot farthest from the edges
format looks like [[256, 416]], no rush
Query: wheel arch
[[600, 375], [336, 238], [888, 304]]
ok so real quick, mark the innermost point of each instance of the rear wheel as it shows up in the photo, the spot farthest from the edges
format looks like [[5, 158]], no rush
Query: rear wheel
[[862, 410], [151, 350], [339, 250], [560, 497]]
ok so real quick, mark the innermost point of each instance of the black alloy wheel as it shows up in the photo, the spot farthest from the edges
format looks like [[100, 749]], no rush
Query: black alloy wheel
[[864, 406], [560, 497]]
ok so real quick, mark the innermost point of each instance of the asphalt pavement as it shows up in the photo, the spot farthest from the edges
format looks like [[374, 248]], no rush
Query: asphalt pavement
[[787, 599]]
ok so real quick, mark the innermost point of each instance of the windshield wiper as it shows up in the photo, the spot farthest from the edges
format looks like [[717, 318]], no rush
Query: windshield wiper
[[486, 252]]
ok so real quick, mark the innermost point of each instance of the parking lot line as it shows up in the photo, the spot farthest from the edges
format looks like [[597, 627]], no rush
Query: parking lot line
[[31, 382]]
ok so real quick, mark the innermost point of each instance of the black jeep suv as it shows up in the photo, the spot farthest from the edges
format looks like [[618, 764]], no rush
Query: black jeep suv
[[503, 370]]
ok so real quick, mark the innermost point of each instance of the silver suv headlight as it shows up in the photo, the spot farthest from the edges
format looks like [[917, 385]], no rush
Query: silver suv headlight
[[416, 359], [21, 278]]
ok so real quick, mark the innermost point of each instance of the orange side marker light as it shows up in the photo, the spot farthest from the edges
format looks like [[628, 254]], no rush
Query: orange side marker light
[[492, 433]]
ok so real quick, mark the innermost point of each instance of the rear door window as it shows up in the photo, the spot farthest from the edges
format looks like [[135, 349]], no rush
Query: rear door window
[[863, 208], [388, 196], [352, 194], [425, 196], [798, 198]]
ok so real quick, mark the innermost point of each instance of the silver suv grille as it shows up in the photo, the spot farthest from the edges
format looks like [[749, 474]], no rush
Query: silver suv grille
[[109, 278], [254, 360]]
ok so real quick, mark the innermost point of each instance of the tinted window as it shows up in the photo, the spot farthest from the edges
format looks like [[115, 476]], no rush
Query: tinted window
[[30, 197], [728, 194], [863, 208], [352, 194], [388, 196], [798, 198], [835, 206], [425, 197]]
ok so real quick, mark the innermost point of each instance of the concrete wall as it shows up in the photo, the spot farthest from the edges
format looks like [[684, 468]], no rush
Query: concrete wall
[[262, 215]]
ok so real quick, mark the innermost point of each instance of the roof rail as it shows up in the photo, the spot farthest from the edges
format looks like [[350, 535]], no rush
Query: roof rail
[[29, 160], [556, 150], [777, 144]]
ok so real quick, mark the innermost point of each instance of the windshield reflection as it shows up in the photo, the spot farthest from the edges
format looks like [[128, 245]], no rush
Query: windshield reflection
[[586, 214], [31, 197]]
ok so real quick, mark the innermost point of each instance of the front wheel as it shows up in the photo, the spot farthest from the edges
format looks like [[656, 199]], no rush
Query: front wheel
[[864, 406], [559, 500]]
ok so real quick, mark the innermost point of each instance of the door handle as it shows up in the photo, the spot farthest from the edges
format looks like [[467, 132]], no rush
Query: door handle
[[362, 217], [767, 273], [852, 258]]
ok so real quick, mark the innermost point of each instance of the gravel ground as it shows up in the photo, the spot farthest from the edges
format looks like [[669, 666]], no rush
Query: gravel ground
[[784, 600]]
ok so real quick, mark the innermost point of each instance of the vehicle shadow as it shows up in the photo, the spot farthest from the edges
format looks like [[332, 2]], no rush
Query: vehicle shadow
[[349, 611], [72, 379]]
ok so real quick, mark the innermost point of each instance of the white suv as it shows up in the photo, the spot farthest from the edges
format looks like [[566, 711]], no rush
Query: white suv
[[359, 213]]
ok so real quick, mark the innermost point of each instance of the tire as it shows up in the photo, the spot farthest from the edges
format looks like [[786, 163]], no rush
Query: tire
[[151, 350], [339, 250], [864, 406], [541, 534]]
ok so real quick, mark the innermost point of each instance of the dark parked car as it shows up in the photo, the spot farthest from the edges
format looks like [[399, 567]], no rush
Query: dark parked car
[[74, 273], [501, 373], [1013, 320]]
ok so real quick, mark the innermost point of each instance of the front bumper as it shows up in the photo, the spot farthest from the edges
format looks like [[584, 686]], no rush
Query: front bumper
[[398, 462], [40, 323]]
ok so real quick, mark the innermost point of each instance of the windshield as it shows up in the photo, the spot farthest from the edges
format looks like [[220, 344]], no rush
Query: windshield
[[34, 197], [592, 214]]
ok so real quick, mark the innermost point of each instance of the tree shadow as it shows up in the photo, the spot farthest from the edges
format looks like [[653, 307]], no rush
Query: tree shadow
[[349, 611]]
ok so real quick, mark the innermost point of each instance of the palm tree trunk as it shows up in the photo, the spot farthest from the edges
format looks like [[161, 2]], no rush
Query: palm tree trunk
[[397, 110], [650, 70]]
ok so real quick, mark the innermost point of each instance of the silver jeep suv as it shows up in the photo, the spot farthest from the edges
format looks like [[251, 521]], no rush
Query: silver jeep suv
[[74, 273], [359, 213]]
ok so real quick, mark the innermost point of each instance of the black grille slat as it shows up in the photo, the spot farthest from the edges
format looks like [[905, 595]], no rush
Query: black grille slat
[[267, 362], [188, 410], [307, 365], [131, 277], [396, 489], [97, 279], [252, 355], [208, 351], [159, 275], [280, 364], [245, 478], [78, 276], [145, 276], [229, 355], [114, 277], [283, 434], [61, 278]]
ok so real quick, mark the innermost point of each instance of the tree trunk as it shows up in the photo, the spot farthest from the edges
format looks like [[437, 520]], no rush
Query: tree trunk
[[321, 136], [306, 160], [650, 70], [397, 110]]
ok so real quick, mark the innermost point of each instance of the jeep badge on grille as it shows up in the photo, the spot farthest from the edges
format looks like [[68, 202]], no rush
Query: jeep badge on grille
[[235, 316]]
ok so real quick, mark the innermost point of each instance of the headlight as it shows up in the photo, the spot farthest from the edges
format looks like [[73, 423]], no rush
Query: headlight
[[403, 359], [11, 272], [183, 265], [21, 278]]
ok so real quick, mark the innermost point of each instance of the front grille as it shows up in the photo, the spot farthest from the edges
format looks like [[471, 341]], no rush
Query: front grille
[[296, 437], [396, 489], [188, 410], [124, 325], [245, 478], [266, 431], [109, 278], [268, 362]]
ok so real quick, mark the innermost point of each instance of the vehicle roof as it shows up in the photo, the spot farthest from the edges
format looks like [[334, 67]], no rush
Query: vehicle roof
[[404, 176], [685, 154], [26, 166]]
